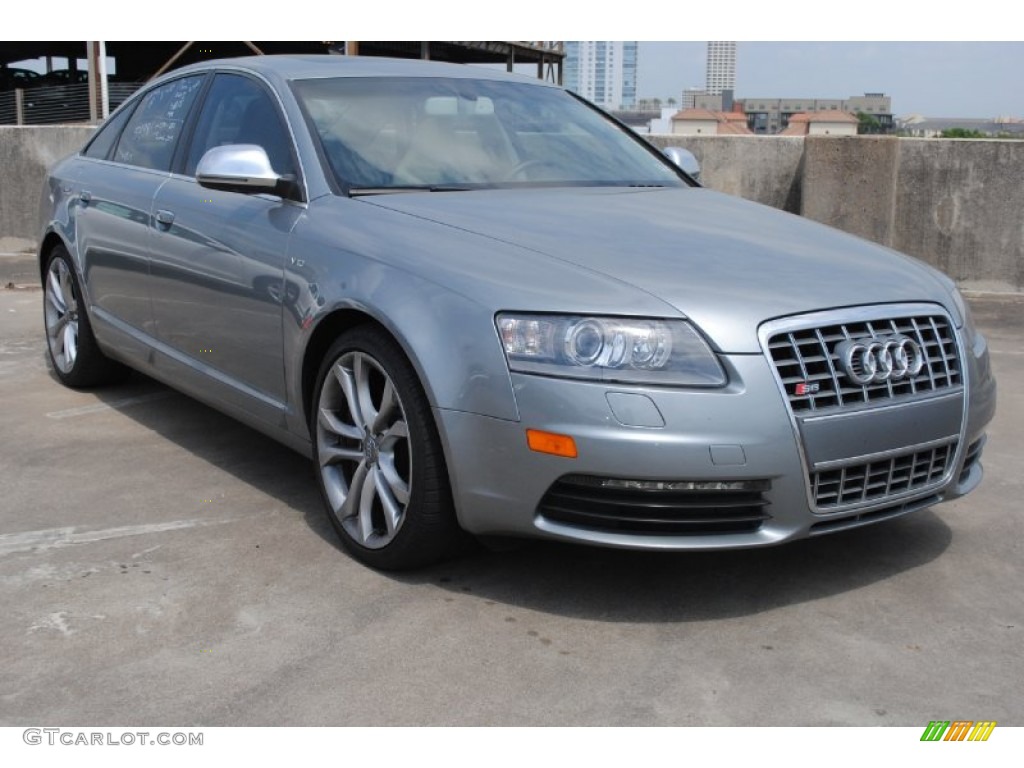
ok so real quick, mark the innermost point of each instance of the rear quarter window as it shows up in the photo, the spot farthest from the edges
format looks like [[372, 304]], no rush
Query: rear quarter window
[[106, 137]]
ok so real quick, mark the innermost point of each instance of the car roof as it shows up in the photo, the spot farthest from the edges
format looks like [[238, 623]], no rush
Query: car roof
[[294, 67]]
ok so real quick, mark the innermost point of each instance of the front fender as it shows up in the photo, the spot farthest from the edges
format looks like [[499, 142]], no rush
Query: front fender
[[450, 339]]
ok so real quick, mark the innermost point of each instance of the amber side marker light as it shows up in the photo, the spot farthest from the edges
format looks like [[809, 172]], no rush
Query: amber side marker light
[[549, 442]]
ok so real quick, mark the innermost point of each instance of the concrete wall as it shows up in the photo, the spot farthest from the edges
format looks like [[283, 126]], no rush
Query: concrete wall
[[959, 204], [765, 169], [851, 180], [956, 203], [26, 153]]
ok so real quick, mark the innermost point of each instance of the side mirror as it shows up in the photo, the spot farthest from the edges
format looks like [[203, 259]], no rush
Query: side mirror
[[685, 161], [238, 168]]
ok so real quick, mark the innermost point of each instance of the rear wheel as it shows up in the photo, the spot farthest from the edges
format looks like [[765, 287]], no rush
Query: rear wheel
[[378, 457], [76, 357]]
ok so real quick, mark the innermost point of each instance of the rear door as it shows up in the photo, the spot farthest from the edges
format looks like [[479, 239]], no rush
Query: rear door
[[119, 177]]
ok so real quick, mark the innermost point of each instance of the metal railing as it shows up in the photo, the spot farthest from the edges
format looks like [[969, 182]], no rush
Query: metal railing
[[8, 108], [49, 105]]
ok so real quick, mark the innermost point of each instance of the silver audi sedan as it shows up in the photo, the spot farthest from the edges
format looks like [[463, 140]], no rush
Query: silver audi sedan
[[483, 307]]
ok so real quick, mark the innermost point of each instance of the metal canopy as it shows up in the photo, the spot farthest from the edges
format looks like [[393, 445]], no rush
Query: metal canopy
[[69, 97], [139, 61]]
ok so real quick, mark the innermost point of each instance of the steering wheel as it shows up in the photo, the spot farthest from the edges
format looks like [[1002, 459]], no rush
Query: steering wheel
[[516, 173]]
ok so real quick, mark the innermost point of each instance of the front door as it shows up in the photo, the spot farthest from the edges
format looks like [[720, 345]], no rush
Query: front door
[[218, 257]]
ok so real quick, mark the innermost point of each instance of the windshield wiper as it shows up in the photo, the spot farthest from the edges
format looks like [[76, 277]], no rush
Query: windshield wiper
[[357, 191]]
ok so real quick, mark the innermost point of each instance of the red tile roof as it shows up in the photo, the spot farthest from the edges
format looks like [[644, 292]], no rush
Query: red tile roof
[[733, 123], [800, 123]]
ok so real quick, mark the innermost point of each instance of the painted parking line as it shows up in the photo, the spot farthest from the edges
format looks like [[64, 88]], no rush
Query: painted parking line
[[84, 410], [53, 538]]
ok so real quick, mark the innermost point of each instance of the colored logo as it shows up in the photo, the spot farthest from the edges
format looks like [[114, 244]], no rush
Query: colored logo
[[958, 730]]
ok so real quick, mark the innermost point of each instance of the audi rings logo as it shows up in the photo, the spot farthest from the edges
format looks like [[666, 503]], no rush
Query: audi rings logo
[[880, 359]]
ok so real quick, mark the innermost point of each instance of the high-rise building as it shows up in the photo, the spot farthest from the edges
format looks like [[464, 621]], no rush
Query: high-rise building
[[721, 68], [602, 71]]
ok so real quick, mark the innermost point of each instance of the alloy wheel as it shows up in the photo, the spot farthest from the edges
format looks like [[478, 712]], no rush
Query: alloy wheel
[[365, 459], [61, 314]]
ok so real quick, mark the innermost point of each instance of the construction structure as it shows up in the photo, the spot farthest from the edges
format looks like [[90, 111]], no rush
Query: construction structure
[[84, 89]]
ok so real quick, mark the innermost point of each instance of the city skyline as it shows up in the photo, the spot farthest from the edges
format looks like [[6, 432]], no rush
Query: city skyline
[[602, 71], [956, 79]]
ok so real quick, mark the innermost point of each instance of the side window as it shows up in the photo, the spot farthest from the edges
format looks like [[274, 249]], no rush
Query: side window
[[152, 132], [237, 110], [106, 137]]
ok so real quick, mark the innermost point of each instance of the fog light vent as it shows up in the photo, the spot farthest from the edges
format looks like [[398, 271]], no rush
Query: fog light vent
[[666, 507]]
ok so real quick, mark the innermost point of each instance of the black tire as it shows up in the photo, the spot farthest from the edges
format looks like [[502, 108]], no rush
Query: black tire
[[74, 354], [387, 495]]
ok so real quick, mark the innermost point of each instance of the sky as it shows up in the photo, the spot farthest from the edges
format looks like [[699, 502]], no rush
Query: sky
[[936, 79]]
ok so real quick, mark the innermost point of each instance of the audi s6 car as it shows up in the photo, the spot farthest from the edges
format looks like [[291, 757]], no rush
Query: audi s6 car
[[483, 307]]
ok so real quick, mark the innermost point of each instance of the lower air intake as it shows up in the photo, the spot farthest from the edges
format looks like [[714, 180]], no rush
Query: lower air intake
[[877, 480], [675, 508]]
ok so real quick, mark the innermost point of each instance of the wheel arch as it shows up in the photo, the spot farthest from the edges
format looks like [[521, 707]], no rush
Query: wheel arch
[[339, 321], [326, 331], [50, 241], [465, 372]]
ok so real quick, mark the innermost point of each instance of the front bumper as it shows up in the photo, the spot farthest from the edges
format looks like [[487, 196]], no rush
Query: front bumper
[[744, 432]]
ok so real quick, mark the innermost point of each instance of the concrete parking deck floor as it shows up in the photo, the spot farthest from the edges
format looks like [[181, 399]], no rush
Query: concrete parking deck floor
[[161, 564]]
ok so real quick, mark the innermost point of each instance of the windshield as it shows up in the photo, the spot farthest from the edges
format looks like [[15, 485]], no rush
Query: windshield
[[390, 134]]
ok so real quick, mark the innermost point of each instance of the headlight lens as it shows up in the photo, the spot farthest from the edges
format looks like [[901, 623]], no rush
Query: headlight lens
[[634, 350]]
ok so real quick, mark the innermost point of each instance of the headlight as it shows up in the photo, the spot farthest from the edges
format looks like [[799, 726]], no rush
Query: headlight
[[640, 351]]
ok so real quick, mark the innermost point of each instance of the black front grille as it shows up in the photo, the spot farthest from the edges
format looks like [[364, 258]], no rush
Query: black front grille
[[808, 366], [881, 478], [673, 508], [871, 516]]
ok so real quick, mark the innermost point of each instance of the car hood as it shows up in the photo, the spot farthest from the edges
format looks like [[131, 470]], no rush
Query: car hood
[[726, 263]]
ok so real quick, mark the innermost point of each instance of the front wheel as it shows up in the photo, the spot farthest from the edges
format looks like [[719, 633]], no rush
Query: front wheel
[[378, 457]]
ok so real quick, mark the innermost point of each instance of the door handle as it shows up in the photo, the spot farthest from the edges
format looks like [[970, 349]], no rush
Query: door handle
[[85, 197], [164, 219]]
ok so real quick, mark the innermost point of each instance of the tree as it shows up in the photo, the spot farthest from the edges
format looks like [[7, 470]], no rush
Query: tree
[[868, 123], [962, 133]]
